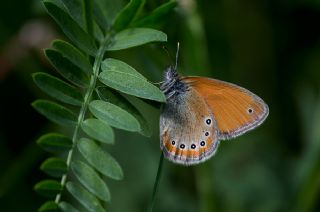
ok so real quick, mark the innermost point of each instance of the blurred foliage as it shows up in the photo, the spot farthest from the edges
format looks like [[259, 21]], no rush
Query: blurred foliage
[[270, 47]]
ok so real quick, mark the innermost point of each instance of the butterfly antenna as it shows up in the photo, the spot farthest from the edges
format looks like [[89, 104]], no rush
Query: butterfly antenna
[[177, 54]]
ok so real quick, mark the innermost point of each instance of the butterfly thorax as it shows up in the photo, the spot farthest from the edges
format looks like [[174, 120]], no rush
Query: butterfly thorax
[[173, 84]]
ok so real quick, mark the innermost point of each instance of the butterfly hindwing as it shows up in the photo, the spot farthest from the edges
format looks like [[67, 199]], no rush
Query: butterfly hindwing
[[188, 129]]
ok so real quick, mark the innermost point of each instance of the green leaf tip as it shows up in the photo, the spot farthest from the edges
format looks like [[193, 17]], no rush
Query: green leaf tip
[[98, 130], [55, 143], [89, 178], [114, 115], [48, 188], [49, 206], [55, 112], [115, 98], [66, 207], [122, 77], [133, 37], [85, 198], [58, 89], [73, 54], [67, 69], [128, 14], [156, 16], [71, 28], [100, 159], [54, 167]]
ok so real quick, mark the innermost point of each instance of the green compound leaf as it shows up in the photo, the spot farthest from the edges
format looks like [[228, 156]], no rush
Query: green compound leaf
[[49, 206], [114, 115], [48, 188], [122, 77], [90, 202], [67, 69], [157, 16], [115, 98], [55, 112], [98, 130], [136, 37], [100, 159], [54, 167], [89, 178], [66, 207], [58, 89], [128, 14], [55, 143], [71, 28], [73, 55]]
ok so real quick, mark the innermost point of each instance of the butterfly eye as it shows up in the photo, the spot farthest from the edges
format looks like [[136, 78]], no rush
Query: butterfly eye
[[173, 142], [208, 121], [182, 146], [202, 143], [193, 146], [206, 133], [250, 110]]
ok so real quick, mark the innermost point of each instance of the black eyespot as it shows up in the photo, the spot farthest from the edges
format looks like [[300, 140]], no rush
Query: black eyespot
[[202, 143], [208, 121], [250, 110], [206, 133], [173, 142], [182, 146], [193, 146]]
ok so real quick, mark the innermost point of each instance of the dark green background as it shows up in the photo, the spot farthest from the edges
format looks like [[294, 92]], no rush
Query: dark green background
[[269, 47]]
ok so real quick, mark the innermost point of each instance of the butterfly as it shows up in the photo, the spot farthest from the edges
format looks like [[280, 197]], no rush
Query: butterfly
[[200, 112]]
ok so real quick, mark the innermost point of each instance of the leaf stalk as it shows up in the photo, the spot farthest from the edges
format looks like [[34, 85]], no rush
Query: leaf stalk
[[156, 183], [84, 107]]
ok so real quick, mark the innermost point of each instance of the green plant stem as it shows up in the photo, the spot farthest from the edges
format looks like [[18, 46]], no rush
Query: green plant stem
[[204, 183], [156, 183], [84, 107]]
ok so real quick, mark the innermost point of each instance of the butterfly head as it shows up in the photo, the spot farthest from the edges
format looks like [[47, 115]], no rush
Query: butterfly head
[[171, 74]]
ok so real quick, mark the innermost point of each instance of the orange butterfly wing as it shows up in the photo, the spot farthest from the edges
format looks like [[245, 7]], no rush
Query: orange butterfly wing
[[236, 110]]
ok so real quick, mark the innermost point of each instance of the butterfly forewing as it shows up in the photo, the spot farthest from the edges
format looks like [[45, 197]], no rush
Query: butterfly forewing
[[235, 109], [187, 129]]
